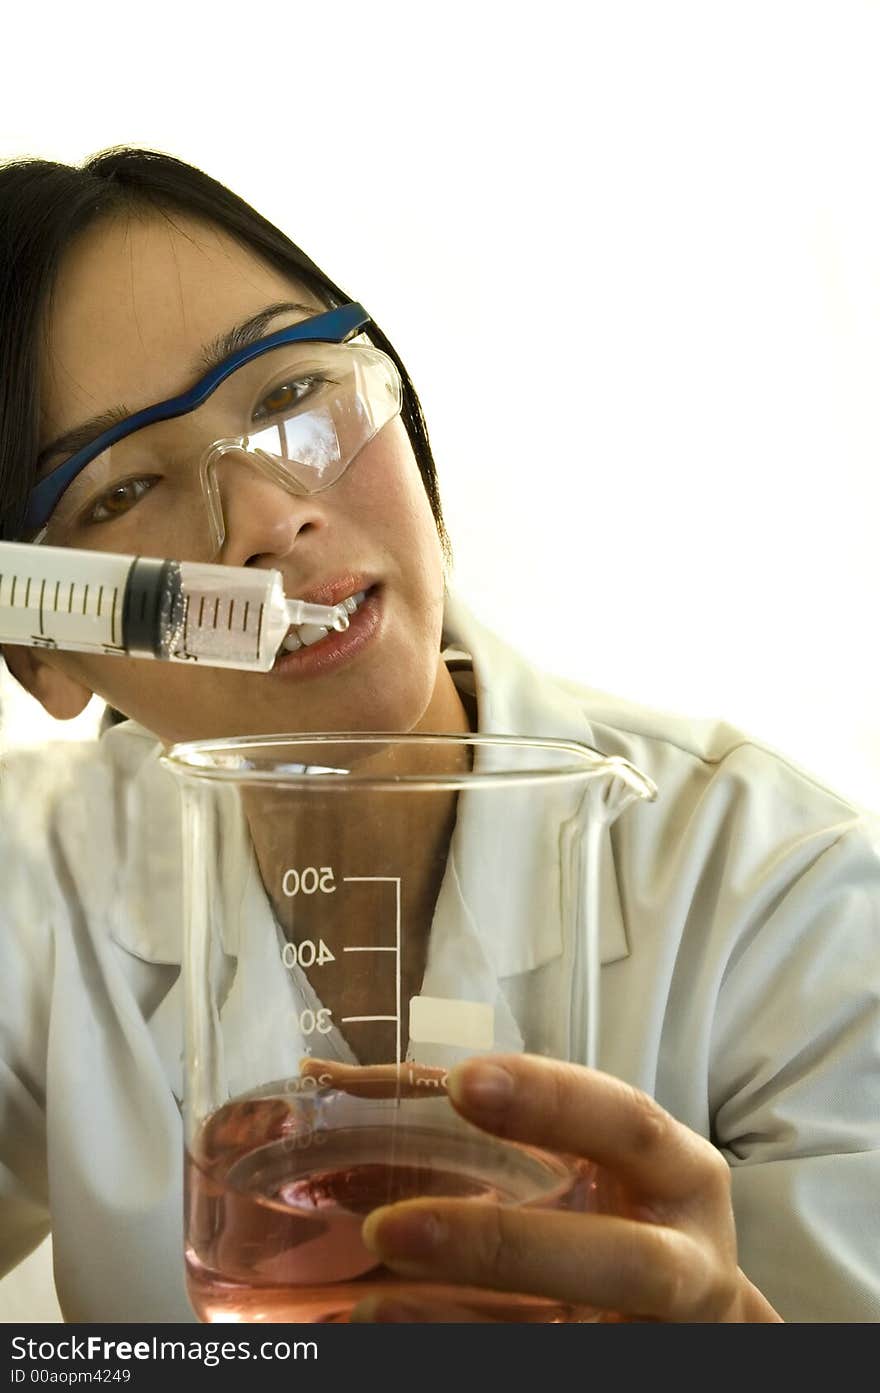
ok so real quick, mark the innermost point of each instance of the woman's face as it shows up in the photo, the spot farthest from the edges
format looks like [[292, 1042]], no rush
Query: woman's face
[[136, 302]]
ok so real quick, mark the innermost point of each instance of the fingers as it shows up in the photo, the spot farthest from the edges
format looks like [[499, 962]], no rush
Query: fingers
[[568, 1108], [563, 1107], [678, 1267], [608, 1263]]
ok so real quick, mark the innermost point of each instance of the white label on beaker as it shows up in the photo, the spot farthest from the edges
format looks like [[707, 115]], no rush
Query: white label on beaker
[[437, 1021]]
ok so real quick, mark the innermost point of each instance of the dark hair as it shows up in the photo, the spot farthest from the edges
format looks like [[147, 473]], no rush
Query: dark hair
[[45, 205]]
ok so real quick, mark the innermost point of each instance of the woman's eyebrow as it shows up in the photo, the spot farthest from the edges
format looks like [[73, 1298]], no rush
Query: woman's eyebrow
[[210, 356], [242, 335]]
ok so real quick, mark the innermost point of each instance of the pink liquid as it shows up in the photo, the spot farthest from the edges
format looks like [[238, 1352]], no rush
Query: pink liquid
[[275, 1204]]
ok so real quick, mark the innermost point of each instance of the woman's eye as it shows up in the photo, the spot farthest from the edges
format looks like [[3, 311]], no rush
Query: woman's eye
[[118, 500], [286, 396]]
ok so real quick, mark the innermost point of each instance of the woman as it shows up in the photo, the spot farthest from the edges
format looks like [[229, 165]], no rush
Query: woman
[[739, 1046]]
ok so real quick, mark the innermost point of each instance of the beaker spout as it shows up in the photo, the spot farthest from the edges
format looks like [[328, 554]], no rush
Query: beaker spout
[[617, 785]]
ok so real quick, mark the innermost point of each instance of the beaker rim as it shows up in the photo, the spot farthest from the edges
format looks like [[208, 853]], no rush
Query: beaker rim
[[224, 760]]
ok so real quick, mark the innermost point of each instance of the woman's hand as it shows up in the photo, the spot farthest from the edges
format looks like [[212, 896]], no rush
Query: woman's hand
[[662, 1248]]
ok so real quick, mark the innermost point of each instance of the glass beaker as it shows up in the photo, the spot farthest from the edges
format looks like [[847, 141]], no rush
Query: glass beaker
[[362, 912]]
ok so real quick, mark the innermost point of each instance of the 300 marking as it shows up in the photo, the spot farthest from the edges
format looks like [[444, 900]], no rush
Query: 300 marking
[[320, 1020]]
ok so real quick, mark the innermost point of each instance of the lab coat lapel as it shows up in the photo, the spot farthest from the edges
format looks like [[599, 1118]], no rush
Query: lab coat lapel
[[260, 1000], [509, 874], [149, 890], [462, 965], [263, 1013], [513, 698]]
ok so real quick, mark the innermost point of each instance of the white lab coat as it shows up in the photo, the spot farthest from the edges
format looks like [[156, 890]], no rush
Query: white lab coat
[[740, 985]]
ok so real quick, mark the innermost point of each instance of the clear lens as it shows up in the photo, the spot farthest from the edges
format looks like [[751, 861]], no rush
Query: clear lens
[[299, 415]]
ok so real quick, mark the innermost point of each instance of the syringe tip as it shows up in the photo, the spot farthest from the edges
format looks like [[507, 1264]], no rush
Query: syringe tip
[[330, 616]]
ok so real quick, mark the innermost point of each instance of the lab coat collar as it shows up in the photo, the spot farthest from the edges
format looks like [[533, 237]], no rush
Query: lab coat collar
[[513, 698]]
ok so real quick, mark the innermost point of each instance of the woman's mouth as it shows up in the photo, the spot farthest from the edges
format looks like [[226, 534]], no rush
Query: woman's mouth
[[310, 649]]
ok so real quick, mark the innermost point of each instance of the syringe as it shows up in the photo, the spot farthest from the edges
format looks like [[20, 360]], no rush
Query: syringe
[[140, 607]]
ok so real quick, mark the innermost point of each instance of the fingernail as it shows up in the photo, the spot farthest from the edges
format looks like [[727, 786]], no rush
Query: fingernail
[[397, 1232], [379, 1311], [482, 1086]]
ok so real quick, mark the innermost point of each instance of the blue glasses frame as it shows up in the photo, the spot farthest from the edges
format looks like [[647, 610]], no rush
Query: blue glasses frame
[[332, 326]]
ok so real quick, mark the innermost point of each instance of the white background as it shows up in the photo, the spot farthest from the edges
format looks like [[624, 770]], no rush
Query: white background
[[629, 253]]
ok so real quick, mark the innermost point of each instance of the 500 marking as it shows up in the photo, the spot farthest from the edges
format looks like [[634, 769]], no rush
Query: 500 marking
[[307, 881]]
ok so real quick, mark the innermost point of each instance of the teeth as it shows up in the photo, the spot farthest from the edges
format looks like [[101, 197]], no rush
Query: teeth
[[312, 633], [353, 601], [292, 642]]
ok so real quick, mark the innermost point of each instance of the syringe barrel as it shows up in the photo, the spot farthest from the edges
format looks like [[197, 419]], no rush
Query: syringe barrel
[[98, 602], [52, 597], [227, 616]]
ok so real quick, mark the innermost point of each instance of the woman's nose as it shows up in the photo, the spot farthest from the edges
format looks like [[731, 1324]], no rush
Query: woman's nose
[[260, 516]]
